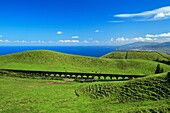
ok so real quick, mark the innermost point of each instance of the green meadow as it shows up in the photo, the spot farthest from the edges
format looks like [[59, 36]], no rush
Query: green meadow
[[145, 55], [43, 96], [150, 94], [54, 61]]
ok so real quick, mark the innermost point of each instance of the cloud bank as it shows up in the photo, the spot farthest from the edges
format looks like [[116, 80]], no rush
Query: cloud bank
[[4, 41], [69, 41], [159, 35], [156, 14], [75, 36], [164, 37]]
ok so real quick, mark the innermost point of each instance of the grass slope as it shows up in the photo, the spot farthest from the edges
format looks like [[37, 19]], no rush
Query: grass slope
[[138, 55], [54, 61], [155, 88], [43, 96]]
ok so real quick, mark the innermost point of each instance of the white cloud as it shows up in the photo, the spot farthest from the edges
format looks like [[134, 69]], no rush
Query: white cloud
[[129, 40], [148, 39], [162, 15], [116, 21], [112, 39], [23, 41], [40, 41], [164, 37], [121, 39], [141, 39], [85, 41], [159, 35], [75, 41], [157, 14], [97, 31], [96, 41], [69, 41], [1, 36], [32, 41], [75, 36], [4, 41], [59, 32]]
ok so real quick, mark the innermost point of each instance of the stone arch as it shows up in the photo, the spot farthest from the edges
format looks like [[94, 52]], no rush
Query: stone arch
[[84, 76], [117, 77], [73, 76], [78, 76]]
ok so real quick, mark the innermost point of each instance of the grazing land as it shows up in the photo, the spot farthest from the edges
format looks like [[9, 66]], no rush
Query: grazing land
[[145, 55], [24, 95], [54, 61], [34, 95]]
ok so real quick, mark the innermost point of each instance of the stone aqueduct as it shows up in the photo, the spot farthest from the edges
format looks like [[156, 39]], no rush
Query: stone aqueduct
[[73, 75]]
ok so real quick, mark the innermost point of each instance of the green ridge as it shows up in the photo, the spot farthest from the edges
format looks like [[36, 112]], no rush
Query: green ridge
[[145, 55], [155, 87], [54, 61]]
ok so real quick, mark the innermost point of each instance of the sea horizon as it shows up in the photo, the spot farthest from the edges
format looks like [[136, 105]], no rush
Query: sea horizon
[[92, 51]]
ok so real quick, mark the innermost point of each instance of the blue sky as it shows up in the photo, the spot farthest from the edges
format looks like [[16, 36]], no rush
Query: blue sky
[[83, 22]]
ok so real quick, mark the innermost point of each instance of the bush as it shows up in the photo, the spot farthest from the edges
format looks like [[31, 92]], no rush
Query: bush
[[158, 69], [168, 77]]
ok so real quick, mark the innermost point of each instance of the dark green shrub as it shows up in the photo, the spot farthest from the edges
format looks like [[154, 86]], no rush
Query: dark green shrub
[[168, 77], [158, 69], [162, 70]]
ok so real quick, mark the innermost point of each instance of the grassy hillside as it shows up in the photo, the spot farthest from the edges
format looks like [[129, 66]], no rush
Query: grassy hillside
[[152, 88], [54, 61], [138, 55], [155, 88], [41, 96]]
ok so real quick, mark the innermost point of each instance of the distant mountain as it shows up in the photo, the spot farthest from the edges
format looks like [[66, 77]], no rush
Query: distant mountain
[[147, 46], [136, 45], [160, 45]]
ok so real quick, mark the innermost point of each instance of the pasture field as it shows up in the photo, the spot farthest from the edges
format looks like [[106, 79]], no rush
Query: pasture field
[[43, 96], [153, 87], [53, 61], [24, 95], [145, 55]]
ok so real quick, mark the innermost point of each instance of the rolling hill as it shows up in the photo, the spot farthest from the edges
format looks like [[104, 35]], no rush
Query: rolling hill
[[149, 94], [54, 61], [151, 88], [136, 45], [145, 55]]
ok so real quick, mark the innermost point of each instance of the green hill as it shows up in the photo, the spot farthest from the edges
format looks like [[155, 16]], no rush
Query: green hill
[[151, 88], [54, 61], [155, 87], [138, 55], [20, 95]]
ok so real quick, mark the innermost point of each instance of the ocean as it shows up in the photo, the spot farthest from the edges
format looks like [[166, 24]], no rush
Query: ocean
[[93, 51]]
